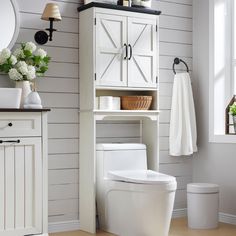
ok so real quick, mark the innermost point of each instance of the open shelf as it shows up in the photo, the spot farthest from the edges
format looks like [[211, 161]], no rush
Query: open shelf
[[120, 93], [126, 114]]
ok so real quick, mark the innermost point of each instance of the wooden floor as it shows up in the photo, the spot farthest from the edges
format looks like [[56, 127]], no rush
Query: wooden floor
[[178, 228]]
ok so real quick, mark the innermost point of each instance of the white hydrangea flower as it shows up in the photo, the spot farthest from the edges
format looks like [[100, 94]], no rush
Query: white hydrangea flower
[[22, 67], [4, 55], [14, 74], [13, 60], [30, 46], [40, 52], [31, 73], [18, 53]]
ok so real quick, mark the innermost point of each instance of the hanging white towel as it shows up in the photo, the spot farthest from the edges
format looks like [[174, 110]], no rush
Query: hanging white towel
[[183, 132]]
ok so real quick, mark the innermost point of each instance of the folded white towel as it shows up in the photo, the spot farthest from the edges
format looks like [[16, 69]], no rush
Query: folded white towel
[[183, 132]]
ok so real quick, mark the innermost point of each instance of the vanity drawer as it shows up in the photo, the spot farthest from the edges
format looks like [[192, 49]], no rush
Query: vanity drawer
[[20, 124]]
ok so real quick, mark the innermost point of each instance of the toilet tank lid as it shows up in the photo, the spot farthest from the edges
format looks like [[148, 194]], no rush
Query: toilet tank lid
[[202, 188], [120, 146]]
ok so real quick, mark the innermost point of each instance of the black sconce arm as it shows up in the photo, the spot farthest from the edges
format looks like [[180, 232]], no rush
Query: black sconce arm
[[50, 29], [41, 37]]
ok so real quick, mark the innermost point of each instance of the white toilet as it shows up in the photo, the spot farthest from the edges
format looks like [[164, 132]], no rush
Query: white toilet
[[131, 200]]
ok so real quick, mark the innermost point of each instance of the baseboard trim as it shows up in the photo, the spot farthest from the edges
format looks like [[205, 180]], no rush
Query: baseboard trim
[[227, 218], [223, 217], [179, 213], [63, 226]]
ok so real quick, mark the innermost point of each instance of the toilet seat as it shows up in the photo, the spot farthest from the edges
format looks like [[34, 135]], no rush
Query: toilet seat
[[141, 177]]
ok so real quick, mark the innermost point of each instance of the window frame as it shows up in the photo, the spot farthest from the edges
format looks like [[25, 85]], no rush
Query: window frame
[[229, 71]]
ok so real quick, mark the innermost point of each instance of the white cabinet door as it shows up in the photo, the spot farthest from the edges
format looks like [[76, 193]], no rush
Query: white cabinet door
[[111, 40], [142, 61], [20, 187]]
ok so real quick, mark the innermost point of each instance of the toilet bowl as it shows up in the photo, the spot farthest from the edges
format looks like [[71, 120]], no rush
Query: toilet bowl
[[131, 200]]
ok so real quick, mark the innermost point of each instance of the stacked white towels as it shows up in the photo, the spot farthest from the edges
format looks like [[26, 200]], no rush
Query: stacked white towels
[[183, 132]]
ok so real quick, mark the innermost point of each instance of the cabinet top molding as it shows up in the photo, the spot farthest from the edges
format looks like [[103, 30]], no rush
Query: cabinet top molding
[[118, 7], [23, 110]]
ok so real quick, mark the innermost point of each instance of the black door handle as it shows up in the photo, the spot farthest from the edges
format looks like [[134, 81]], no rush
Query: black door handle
[[126, 51], [131, 52], [10, 141]]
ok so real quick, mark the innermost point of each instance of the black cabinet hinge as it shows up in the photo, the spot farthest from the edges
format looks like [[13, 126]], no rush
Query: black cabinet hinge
[[156, 79], [156, 28], [95, 76], [95, 21]]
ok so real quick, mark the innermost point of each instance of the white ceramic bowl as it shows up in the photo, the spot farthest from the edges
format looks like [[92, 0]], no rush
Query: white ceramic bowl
[[10, 97]]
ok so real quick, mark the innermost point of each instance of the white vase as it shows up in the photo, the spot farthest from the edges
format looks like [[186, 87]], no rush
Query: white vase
[[33, 101], [26, 90]]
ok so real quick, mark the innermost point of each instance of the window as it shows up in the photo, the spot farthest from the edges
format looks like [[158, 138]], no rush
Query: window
[[222, 85]]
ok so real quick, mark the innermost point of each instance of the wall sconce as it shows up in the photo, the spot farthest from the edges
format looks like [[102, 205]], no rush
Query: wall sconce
[[51, 13]]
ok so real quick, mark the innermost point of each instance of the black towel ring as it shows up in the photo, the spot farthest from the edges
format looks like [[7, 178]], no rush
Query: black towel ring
[[176, 62]]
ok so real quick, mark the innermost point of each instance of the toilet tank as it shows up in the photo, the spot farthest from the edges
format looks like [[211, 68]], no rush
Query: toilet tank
[[125, 156]]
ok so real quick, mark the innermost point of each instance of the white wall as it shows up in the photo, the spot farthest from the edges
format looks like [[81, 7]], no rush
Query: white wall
[[214, 162], [59, 90]]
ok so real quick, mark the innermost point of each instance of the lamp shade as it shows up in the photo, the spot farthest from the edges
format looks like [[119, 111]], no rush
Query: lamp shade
[[51, 11]]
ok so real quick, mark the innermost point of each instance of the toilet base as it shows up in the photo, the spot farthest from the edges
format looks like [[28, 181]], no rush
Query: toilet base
[[130, 213]]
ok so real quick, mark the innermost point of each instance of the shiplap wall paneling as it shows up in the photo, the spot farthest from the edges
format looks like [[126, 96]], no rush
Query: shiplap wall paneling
[[175, 41], [118, 132], [59, 90]]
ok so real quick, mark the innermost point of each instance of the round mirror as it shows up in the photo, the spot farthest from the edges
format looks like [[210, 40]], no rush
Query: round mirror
[[9, 23]]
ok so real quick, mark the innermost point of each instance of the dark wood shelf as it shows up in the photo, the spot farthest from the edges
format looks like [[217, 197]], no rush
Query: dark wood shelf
[[118, 7], [23, 110]]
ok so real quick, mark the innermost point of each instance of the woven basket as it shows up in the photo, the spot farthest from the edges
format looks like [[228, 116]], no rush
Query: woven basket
[[136, 102]]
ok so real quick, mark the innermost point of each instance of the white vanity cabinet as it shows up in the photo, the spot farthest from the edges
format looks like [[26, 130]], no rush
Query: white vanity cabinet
[[125, 47], [23, 173], [118, 55]]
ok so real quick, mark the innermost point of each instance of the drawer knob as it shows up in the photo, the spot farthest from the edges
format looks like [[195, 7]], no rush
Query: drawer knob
[[10, 124]]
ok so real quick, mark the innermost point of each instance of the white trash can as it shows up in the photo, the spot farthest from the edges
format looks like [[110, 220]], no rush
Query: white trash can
[[203, 205]]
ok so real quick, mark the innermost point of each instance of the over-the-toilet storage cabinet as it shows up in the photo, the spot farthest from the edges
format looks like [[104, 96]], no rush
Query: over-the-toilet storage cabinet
[[23, 172], [118, 55]]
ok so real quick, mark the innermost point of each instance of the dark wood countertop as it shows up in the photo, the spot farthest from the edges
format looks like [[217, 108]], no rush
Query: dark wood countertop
[[118, 7]]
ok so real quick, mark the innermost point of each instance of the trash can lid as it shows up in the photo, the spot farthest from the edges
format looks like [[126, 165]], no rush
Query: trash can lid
[[202, 188]]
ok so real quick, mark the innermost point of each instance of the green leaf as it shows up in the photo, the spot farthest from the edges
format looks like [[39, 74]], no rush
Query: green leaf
[[27, 53], [46, 59], [43, 69], [37, 60], [6, 68], [232, 110]]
